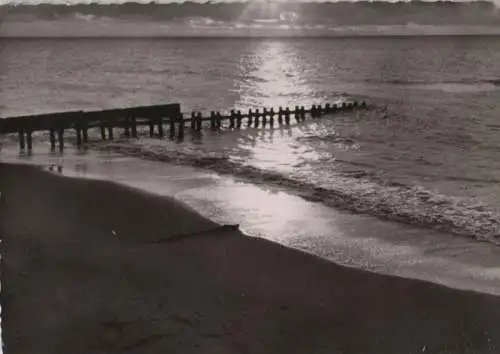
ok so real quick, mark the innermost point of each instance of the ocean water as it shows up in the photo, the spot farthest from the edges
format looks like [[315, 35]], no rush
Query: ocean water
[[425, 156]]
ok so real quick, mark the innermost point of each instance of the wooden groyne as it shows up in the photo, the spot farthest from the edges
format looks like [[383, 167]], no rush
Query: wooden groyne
[[157, 119]]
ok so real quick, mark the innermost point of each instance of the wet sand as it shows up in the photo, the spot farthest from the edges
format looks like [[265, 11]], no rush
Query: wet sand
[[91, 266]]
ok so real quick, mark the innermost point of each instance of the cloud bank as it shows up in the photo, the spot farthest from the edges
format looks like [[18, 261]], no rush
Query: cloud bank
[[250, 18]]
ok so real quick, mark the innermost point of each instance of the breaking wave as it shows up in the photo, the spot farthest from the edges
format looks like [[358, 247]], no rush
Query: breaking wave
[[452, 86], [353, 191]]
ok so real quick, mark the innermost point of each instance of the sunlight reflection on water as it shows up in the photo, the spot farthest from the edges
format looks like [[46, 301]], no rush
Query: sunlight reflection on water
[[272, 76]]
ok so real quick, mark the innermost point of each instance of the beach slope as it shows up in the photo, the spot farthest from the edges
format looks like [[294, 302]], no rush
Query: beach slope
[[93, 267]]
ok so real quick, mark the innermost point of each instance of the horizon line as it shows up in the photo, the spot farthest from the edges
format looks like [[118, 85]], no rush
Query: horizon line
[[167, 2], [318, 36]]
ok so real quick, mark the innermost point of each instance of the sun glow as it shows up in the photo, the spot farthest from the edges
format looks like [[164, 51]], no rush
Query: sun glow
[[273, 74]]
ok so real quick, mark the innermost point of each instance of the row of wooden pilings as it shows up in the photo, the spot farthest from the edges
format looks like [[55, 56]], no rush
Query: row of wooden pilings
[[254, 118], [283, 115]]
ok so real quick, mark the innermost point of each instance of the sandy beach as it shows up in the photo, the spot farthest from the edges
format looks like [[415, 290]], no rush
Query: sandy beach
[[94, 267]]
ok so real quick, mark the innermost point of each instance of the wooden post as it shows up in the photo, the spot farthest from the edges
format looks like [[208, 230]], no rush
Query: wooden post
[[52, 135], [218, 120], [327, 108], [271, 115], [363, 104], [280, 116], [256, 121], [343, 106], [127, 128], [319, 111], [193, 120], [60, 136], [287, 115], [199, 122], [22, 143], [28, 139], [213, 124], [85, 133], [296, 113], [110, 130], [264, 116], [238, 119], [151, 128], [313, 111], [160, 126], [180, 135], [303, 113], [78, 136], [134, 127], [103, 130], [171, 122], [231, 119], [250, 114]]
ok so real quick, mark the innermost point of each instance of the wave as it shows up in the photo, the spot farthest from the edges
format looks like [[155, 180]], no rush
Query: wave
[[451, 86], [352, 191], [495, 81]]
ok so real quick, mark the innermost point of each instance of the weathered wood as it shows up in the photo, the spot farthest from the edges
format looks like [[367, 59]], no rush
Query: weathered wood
[[160, 127], [151, 128], [110, 131], [193, 120], [52, 138], [171, 128], [218, 120], [250, 116], [232, 119], [29, 141], [134, 127], [126, 124], [22, 143], [199, 122], [213, 124], [60, 137], [154, 115], [103, 130], [180, 120], [85, 133], [78, 137], [238, 119]]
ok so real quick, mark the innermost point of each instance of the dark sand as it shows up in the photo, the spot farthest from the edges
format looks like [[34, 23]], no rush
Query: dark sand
[[82, 273]]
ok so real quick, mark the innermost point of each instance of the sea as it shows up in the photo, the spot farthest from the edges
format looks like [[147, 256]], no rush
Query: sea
[[408, 187]]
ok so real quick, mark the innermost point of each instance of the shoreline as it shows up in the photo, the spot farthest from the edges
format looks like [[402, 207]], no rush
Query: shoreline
[[79, 256], [347, 239]]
